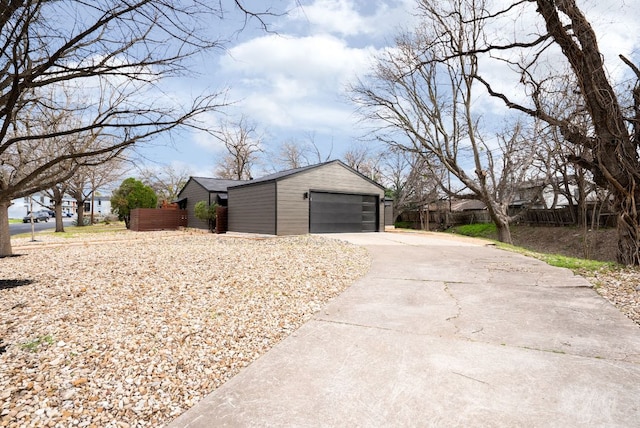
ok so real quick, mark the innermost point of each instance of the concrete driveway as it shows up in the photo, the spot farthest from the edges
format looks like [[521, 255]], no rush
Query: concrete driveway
[[444, 332]]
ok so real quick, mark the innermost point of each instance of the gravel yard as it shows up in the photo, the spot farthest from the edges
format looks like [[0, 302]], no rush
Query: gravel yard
[[132, 329]]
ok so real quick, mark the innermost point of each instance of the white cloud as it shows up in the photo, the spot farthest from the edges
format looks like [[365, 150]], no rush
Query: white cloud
[[348, 18], [334, 16], [295, 82]]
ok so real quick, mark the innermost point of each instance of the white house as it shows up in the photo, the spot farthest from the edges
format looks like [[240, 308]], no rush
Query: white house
[[20, 207], [101, 206]]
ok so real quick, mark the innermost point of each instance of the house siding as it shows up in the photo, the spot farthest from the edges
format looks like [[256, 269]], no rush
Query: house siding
[[252, 208], [293, 209], [195, 193]]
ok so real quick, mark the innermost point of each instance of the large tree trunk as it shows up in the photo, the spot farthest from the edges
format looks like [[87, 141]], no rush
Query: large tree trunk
[[58, 211], [501, 220], [57, 200], [615, 159], [504, 232], [80, 221], [5, 235], [628, 231]]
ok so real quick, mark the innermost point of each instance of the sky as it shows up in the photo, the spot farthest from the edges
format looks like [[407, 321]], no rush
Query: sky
[[291, 82]]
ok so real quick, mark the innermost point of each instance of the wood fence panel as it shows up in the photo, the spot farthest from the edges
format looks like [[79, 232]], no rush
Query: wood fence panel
[[221, 219], [146, 219]]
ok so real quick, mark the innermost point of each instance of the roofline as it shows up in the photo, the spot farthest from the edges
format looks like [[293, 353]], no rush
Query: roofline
[[186, 184], [195, 180], [305, 169]]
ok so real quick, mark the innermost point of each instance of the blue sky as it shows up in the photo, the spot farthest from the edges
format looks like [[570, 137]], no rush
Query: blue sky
[[291, 82]]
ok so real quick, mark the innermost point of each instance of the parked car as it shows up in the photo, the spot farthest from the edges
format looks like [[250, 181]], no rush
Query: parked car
[[68, 214], [51, 213], [37, 216]]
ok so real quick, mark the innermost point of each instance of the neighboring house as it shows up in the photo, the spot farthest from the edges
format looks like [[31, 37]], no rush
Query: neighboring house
[[21, 206], [210, 190], [101, 206], [323, 198]]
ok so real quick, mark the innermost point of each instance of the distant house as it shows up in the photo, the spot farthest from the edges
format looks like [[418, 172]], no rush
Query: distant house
[[323, 198], [20, 207], [100, 205], [210, 190]]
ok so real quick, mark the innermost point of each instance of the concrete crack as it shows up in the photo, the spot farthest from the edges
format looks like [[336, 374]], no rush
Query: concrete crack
[[458, 307], [469, 377]]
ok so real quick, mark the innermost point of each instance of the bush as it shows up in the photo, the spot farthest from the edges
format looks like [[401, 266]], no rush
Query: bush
[[132, 194], [206, 213]]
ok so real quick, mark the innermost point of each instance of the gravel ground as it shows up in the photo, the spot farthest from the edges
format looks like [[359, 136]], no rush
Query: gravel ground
[[621, 287], [132, 329]]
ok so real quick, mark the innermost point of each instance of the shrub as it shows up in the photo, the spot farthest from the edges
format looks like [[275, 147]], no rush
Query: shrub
[[206, 213]]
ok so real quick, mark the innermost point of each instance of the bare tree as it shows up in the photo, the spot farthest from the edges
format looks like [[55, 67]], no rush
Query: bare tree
[[564, 37], [166, 181], [363, 159], [408, 181], [57, 194], [421, 94], [317, 153], [242, 143], [292, 155], [112, 58], [88, 180]]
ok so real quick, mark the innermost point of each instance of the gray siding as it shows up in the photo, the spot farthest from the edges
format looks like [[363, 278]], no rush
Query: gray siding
[[252, 208], [194, 193], [293, 209], [388, 213]]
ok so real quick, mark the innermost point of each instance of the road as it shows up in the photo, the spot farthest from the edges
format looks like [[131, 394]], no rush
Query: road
[[18, 228]]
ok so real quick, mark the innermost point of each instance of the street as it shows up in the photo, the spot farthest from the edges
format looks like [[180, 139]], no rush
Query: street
[[18, 228]]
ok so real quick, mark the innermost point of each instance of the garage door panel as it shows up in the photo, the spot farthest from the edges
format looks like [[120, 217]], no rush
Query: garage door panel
[[339, 213]]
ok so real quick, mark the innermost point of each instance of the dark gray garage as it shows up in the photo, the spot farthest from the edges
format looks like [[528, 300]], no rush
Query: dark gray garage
[[343, 212], [325, 198]]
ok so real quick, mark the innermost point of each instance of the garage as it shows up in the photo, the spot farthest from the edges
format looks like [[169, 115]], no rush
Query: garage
[[342, 213], [329, 197]]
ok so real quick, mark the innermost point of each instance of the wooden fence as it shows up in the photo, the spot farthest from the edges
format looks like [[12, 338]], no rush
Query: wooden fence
[[530, 217], [221, 219], [146, 219]]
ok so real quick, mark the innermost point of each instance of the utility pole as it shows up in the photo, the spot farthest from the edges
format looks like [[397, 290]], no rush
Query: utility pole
[[33, 227]]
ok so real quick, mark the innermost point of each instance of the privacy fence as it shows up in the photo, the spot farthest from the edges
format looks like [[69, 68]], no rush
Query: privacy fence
[[146, 219], [530, 217]]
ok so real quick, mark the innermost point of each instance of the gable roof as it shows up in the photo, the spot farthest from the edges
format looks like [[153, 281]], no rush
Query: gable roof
[[288, 173], [215, 184]]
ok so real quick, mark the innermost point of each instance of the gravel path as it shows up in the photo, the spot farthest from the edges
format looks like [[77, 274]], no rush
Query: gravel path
[[132, 329]]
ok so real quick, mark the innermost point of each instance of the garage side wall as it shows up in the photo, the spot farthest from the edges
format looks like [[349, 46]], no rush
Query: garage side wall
[[194, 194], [293, 209], [252, 208]]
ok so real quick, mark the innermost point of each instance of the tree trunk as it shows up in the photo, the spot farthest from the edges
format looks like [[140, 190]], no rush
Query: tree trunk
[[80, 221], [5, 235], [57, 196], [628, 231], [504, 232], [500, 217], [58, 211]]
